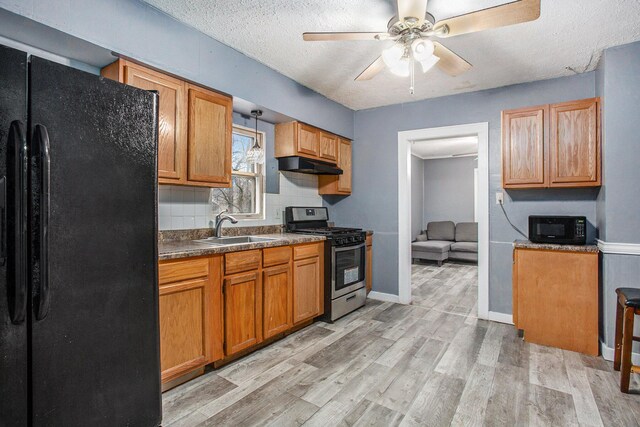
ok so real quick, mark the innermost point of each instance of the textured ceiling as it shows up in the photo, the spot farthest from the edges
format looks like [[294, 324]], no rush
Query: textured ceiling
[[568, 37], [445, 147]]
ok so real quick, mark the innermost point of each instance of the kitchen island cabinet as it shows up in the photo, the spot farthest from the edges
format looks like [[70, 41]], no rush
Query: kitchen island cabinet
[[555, 295]]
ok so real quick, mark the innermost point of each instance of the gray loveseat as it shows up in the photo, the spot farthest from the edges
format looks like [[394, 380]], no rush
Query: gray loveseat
[[444, 240]]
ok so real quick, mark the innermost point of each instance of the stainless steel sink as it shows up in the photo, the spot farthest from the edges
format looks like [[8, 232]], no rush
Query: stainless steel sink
[[236, 240]]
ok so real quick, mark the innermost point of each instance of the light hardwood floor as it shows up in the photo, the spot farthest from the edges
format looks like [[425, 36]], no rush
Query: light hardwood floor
[[432, 363]]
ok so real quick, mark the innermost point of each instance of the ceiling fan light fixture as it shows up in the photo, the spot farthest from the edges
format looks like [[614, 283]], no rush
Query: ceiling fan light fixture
[[428, 63], [393, 55], [422, 49], [402, 68]]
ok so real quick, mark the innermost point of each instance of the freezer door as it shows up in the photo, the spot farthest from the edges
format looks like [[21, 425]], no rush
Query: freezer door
[[95, 338], [13, 280]]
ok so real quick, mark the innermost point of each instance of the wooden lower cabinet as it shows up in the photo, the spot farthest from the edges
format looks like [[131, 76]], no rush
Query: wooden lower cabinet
[[277, 300], [242, 311], [555, 298], [190, 321], [308, 279], [368, 280]]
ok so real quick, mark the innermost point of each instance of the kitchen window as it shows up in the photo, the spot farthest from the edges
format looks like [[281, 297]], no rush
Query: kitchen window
[[245, 198]]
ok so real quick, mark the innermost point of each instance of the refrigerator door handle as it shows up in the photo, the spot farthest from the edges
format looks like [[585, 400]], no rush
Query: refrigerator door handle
[[17, 218], [43, 159], [3, 221]]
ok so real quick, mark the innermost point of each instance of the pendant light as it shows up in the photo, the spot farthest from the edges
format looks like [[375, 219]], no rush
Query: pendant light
[[255, 154]]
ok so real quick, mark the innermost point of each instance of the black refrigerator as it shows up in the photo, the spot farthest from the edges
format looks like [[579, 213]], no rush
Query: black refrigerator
[[79, 338]]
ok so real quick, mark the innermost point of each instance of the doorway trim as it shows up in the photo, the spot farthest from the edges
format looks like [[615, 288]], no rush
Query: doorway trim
[[481, 130]]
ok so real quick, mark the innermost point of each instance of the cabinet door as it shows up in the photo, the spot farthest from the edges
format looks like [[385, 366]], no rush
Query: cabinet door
[[209, 148], [369, 261], [344, 163], [574, 144], [306, 289], [276, 294], [308, 140], [328, 147], [172, 139], [184, 327], [523, 148], [243, 311]]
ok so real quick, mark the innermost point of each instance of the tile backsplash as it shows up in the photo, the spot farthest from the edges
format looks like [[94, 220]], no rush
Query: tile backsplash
[[190, 207]]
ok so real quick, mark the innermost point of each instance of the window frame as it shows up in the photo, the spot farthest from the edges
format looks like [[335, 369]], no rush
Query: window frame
[[259, 175]]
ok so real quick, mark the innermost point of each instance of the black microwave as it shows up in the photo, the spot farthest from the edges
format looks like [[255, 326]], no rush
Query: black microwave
[[564, 230]]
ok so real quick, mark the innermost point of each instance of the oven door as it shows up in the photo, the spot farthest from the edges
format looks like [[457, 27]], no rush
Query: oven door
[[347, 269]]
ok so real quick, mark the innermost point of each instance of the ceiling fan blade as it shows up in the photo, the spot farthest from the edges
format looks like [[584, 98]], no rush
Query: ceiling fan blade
[[494, 17], [450, 62], [412, 9], [372, 70], [315, 37]]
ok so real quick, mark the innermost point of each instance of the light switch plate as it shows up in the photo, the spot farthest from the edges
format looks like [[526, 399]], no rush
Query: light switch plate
[[499, 198], [278, 213]]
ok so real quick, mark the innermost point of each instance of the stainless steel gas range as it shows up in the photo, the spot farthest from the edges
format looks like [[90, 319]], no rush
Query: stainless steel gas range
[[345, 270]]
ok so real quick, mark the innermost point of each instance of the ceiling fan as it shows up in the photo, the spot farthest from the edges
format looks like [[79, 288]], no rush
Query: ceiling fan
[[414, 29]]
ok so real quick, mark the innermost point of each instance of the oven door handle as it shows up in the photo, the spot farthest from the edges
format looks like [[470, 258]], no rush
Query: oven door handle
[[348, 248]]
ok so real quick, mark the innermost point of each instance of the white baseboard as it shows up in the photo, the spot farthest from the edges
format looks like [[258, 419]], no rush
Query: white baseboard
[[501, 317], [607, 354], [381, 296]]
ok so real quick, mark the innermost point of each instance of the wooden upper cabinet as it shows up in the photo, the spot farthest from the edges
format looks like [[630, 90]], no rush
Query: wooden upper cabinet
[[172, 130], [242, 311], [574, 144], [555, 145], [523, 148], [308, 140], [210, 127], [328, 147], [300, 139], [277, 303], [195, 125], [339, 184]]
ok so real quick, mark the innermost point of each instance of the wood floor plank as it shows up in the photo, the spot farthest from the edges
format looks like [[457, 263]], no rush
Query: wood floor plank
[[369, 413], [508, 402], [475, 396], [612, 405], [436, 403], [550, 407], [462, 353], [547, 369], [284, 410], [583, 400]]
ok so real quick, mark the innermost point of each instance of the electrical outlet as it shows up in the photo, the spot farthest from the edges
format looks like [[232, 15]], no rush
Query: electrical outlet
[[278, 213], [499, 198]]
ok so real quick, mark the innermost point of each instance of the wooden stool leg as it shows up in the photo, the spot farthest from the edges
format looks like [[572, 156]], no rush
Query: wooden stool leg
[[618, 336], [627, 341]]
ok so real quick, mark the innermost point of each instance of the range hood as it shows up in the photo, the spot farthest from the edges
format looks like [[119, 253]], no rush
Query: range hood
[[308, 166]]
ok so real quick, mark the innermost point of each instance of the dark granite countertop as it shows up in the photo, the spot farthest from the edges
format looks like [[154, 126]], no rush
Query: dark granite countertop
[[174, 249], [525, 244]]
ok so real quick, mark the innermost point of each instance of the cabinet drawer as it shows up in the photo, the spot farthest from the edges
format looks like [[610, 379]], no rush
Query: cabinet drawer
[[183, 270], [307, 251], [238, 262], [276, 256]]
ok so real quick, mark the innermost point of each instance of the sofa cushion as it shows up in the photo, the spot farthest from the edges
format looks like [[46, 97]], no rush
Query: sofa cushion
[[465, 247], [421, 237], [437, 246], [441, 230], [467, 232]]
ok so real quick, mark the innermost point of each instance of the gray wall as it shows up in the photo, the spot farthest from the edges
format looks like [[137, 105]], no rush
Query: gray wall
[[618, 78], [137, 30], [417, 196], [374, 202], [448, 190]]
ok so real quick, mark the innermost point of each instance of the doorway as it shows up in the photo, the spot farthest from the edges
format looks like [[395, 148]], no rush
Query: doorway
[[405, 139]]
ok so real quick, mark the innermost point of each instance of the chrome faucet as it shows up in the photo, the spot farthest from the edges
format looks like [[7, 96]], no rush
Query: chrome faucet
[[220, 218]]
